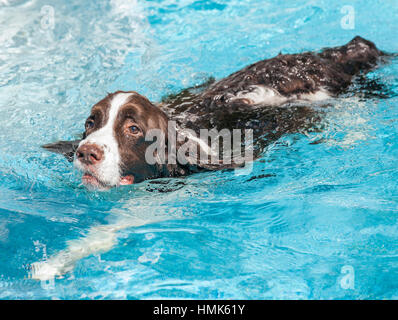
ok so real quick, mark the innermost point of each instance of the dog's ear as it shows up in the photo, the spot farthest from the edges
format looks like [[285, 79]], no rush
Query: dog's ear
[[66, 148], [201, 158]]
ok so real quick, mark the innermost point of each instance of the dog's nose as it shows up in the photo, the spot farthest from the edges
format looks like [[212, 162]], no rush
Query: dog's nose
[[89, 154]]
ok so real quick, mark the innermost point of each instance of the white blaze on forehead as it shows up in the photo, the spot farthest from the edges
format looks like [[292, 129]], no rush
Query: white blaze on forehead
[[108, 170]]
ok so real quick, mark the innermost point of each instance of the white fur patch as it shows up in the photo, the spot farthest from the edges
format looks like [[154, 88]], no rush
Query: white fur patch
[[259, 94], [108, 170], [320, 95], [102, 238], [99, 239]]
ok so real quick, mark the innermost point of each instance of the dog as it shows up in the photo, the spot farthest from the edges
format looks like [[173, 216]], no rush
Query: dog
[[271, 97]]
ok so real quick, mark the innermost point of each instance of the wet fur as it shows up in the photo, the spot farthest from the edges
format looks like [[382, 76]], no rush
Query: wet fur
[[219, 104]]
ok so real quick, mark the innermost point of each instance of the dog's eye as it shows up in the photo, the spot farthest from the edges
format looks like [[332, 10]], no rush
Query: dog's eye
[[134, 129], [89, 124]]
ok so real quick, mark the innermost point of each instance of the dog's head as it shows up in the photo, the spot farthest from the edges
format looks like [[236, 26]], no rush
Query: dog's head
[[113, 148], [118, 145]]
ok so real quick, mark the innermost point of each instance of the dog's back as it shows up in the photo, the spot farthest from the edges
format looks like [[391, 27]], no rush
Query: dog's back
[[298, 76], [256, 96]]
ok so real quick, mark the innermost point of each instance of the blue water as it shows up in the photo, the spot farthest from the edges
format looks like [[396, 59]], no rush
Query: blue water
[[291, 229]]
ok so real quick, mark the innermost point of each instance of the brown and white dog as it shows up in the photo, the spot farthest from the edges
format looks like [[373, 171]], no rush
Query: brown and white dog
[[266, 97]]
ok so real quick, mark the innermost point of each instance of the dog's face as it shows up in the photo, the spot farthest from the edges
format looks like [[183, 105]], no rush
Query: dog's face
[[113, 150]]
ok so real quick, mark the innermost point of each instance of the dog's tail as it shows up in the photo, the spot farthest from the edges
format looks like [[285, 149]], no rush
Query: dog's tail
[[358, 55]]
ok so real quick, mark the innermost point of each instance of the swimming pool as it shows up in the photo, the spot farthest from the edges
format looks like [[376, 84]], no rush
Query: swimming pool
[[311, 221]]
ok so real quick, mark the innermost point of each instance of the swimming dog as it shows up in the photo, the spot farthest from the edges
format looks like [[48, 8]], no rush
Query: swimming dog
[[271, 97]]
